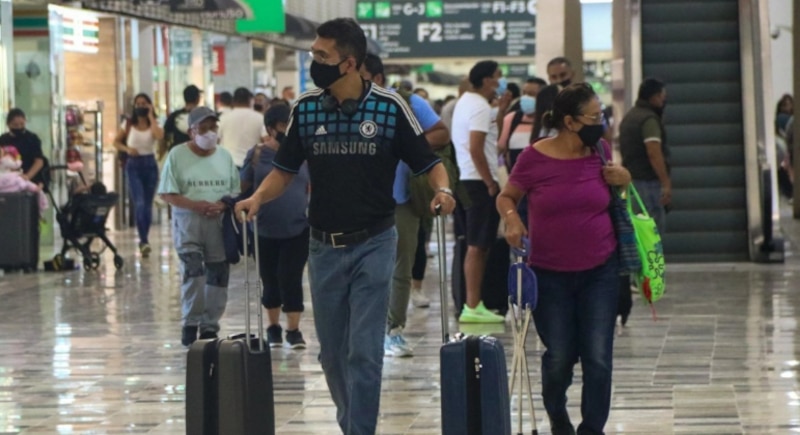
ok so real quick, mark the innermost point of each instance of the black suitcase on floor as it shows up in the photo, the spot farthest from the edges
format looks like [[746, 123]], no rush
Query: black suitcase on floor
[[229, 389], [493, 290], [19, 230], [473, 374]]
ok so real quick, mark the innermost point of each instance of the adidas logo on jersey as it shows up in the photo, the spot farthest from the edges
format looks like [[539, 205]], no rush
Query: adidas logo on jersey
[[320, 131]]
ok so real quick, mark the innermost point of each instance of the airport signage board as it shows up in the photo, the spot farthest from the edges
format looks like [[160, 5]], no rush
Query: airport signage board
[[450, 28]]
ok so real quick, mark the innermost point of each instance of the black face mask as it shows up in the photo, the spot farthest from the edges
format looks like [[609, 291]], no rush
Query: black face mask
[[17, 131], [591, 134], [566, 83], [141, 111], [325, 75], [258, 107]]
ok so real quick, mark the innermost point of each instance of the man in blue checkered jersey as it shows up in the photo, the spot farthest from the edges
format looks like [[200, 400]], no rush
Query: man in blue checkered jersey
[[352, 134]]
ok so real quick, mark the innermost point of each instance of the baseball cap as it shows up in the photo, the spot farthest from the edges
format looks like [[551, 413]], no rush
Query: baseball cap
[[276, 113], [200, 114]]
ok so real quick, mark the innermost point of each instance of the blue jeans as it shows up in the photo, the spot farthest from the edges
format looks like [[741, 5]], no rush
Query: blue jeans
[[575, 319], [142, 172], [650, 192], [350, 291]]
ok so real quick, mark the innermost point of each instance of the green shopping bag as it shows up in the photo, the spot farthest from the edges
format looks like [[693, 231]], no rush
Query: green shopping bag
[[650, 279]]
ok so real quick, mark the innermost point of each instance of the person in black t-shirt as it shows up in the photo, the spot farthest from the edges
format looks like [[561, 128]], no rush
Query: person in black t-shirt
[[352, 134], [176, 128], [27, 143]]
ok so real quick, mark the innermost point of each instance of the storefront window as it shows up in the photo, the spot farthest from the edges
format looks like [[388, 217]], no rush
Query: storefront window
[[189, 64], [33, 91]]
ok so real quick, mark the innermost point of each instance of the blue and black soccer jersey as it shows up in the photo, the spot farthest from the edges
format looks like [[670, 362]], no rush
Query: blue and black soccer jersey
[[352, 159]]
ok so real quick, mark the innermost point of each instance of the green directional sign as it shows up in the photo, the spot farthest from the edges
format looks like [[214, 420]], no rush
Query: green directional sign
[[365, 10], [383, 10], [433, 9], [268, 17]]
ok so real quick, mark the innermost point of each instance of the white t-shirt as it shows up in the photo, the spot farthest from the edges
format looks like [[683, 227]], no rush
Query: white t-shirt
[[142, 141], [239, 130], [473, 113]]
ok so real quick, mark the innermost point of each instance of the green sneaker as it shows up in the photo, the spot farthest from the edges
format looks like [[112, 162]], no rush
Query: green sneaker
[[479, 314]]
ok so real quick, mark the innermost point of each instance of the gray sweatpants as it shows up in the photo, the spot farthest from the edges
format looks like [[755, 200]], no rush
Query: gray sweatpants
[[204, 270]]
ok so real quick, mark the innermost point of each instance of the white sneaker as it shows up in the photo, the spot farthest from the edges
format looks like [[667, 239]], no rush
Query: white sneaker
[[419, 299], [395, 345]]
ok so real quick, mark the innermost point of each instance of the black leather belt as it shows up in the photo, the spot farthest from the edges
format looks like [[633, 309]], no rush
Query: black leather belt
[[343, 240]]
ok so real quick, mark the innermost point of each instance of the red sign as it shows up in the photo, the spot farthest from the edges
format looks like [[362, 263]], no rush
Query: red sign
[[218, 60]]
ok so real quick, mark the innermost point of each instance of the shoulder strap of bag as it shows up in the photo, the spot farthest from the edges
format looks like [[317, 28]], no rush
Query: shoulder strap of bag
[[515, 122], [127, 129], [598, 147]]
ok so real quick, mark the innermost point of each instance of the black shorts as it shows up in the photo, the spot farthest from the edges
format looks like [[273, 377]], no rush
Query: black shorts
[[482, 216]]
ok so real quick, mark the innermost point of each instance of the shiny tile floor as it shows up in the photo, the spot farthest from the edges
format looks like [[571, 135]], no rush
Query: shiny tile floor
[[99, 353]]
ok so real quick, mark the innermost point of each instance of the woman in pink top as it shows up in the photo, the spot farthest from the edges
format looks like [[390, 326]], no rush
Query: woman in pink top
[[517, 126], [573, 252]]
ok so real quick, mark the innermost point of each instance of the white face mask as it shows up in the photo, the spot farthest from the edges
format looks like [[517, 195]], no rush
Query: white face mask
[[207, 140], [527, 104]]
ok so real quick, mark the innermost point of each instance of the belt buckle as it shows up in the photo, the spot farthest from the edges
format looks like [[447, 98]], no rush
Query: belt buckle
[[333, 240]]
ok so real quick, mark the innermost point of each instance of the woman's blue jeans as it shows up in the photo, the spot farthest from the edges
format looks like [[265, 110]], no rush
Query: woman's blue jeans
[[575, 319], [142, 173]]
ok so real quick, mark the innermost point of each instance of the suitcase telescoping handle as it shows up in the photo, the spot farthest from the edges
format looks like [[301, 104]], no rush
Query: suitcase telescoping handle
[[259, 285], [440, 241]]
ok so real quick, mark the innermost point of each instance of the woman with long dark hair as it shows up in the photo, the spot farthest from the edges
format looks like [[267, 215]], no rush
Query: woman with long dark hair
[[139, 139], [573, 252]]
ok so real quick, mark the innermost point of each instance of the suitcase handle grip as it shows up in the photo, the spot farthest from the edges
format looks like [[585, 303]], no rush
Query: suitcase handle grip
[[259, 284]]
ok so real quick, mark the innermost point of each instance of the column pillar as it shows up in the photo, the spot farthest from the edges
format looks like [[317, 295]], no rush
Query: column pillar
[[7, 60], [146, 60], [796, 145], [559, 33]]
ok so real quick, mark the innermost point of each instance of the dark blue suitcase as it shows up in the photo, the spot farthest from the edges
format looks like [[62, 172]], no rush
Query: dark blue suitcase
[[473, 374]]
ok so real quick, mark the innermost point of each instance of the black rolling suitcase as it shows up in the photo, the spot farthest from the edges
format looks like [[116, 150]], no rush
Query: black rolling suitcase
[[229, 388], [19, 231], [473, 374]]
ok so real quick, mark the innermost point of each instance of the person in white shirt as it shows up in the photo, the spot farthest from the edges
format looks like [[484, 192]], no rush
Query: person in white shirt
[[242, 127], [474, 135], [225, 103]]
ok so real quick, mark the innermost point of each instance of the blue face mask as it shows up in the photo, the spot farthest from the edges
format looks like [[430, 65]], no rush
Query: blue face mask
[[527, 104], [502, 85]]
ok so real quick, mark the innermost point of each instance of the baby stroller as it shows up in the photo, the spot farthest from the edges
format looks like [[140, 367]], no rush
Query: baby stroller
[[82, 220]]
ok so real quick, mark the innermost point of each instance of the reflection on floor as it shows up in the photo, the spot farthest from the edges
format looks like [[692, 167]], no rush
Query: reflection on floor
[[99, 353]]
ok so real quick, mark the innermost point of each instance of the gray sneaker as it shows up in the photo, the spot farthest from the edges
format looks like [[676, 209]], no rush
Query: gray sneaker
[[419, 299], [395, 344]]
